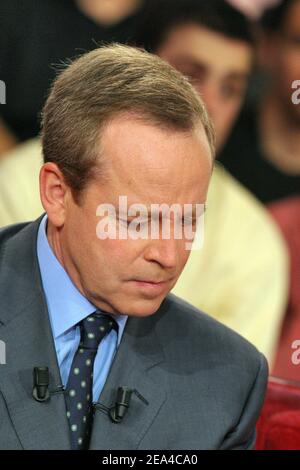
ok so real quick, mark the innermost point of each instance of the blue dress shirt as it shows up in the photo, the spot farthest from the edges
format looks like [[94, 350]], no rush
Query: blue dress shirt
[[66, 308]]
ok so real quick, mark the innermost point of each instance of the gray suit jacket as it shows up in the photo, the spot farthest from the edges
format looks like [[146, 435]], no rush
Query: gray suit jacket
[[204, 383]]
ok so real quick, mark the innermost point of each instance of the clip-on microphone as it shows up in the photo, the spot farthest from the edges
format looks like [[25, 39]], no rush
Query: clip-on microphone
[[40, 391], [117, 412]]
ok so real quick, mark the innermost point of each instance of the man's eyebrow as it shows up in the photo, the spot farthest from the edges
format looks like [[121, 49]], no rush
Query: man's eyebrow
[[291, 37], [185, 61], [149, 209], [200, 66], [238, 76]]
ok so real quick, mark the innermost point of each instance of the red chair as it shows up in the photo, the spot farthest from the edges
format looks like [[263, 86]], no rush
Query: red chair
[[278, 427]]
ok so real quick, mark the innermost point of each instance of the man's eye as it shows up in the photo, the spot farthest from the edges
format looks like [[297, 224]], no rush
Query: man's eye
[[230, 91], [292, 41], [189, 221], [125, 222], [135, 222]]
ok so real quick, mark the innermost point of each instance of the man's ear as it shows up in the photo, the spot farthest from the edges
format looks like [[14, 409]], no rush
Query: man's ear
[[54, 193]]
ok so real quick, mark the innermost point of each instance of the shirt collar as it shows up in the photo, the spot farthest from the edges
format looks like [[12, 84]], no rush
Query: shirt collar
[[66, 305]]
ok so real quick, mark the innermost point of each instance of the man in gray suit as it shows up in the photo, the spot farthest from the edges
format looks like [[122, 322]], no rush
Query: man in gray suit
[[128, 146]]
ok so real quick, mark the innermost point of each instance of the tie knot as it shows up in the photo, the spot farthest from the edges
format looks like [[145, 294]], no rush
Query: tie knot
[[94, 328]]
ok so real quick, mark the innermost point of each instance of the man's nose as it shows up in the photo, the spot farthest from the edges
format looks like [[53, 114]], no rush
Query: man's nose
[[164, 252]]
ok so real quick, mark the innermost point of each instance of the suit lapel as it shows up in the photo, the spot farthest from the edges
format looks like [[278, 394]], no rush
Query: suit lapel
[[26, 330], [134, 367]]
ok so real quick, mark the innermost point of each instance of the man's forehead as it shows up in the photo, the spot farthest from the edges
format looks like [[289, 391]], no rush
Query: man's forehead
[[160, 176], [141, 136], [142, 159]]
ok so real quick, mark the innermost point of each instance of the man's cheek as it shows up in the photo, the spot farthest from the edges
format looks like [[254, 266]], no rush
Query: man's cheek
[[115, 253]]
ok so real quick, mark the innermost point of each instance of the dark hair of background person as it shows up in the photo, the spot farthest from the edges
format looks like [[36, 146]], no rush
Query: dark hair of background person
[[273, 18], [217, 15], [35, 37]]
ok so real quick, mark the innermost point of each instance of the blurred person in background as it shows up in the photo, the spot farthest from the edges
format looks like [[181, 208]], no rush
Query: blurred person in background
[[268, 133], [19, 183], [240, 276], [36, 35], [253, 8], [287, 214]]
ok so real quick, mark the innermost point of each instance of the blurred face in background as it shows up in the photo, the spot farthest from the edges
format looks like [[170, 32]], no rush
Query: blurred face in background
[[217, 66], [281, 57], [109, 12]]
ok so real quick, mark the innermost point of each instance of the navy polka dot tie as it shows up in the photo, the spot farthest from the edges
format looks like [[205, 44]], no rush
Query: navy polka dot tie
[[79, 390]]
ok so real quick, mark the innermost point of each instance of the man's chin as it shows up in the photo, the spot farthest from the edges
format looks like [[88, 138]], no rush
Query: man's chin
[[130, 305], [143, 308]]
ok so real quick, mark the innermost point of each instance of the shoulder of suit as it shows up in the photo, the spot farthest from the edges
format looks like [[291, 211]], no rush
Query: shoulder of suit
[[202, 338], [9, 232]]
